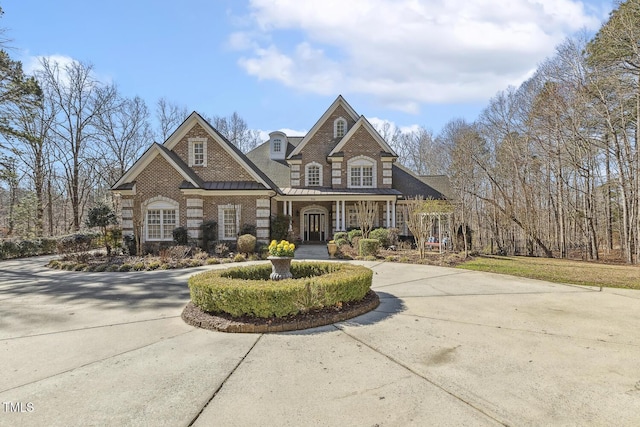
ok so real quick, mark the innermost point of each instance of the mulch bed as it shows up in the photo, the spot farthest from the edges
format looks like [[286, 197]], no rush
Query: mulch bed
[[194, 316]]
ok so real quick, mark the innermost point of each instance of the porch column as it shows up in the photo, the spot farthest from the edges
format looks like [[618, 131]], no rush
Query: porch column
[[290, 214], [337, 215], [388, 215], [393, 214], [344, 224]]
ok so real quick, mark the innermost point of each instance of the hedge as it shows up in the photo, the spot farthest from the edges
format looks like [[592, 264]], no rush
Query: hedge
[[368, 247], [248, 291], [77, 242]]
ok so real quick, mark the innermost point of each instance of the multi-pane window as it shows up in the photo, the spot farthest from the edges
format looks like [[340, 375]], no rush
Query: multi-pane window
[[229, 223], [313, 175], [361, 176], [198, 153], [160, 224], [340, 128], [277, 145]]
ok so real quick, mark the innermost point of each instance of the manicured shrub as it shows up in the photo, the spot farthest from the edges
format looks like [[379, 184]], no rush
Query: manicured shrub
[[239, 258], [341, 242], [246, 244], [181, 236], [125, 267], [212, 261], [341, 235], [248, 290], [381, 235], [368, 247], [356, 232]]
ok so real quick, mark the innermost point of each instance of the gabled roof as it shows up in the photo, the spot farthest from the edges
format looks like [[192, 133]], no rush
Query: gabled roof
[[231, 149], [364, 123], [144, 160], [340, 101], [192, 180]]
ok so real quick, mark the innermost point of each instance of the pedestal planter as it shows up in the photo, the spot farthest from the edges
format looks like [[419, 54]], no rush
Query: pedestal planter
[[280, 267], [332, 248]]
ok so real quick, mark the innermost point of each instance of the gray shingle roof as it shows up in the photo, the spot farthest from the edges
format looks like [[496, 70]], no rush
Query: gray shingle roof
[[338, 191], [410, 185], [277, 170], [225, 185]]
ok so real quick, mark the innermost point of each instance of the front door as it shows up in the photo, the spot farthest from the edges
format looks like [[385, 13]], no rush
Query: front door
[[314, 227]]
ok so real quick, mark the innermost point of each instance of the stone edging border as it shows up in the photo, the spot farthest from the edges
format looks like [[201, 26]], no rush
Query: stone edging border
[[194, 316]]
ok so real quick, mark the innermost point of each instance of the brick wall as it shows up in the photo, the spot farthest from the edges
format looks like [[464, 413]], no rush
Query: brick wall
[[221, 166], [321, 145]]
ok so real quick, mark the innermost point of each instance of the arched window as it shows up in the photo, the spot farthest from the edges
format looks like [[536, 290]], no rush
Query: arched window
[[339, 127], [362, 172], [313, 175], [161, 217]]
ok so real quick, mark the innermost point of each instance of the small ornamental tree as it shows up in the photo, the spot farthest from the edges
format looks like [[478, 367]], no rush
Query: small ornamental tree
[[366, 215], [102, 216]]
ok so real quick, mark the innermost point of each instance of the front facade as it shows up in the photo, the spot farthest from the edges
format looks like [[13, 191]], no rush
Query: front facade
[[197, 175]]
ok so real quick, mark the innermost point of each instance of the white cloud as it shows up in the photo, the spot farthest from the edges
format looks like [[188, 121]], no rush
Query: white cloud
[[33, 63], [405, 52]]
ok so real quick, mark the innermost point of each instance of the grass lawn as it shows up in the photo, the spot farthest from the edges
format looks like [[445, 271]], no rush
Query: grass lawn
[[560, 270]]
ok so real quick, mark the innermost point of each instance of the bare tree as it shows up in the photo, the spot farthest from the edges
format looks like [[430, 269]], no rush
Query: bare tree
[[366, 215], [236, 130], [169, 116], [78, 100]]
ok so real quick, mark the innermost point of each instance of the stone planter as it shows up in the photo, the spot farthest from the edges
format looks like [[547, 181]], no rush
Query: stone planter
[[332, 248], [280, 267]]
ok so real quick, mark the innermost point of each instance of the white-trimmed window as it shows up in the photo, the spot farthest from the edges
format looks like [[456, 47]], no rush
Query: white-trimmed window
[[339, 127], [352, 217], [228, 221], [277, 145], [197, 151], [313, 174], [161, 219], [362, 172]]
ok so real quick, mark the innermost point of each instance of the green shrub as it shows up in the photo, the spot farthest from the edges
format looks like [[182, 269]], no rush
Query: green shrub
[[246, 244], [356, 232], [382, 236], [341, 242], [248, 290], [153, 265], [180, 235], [212, 261], [341, 235], [239, 258], [368, 247], [209, 234], [393, 234], [113, 267], [125, 267], [100, 267], [138, 266]]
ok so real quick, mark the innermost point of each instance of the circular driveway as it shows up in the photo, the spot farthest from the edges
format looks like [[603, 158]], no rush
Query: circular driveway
[[445, 347]]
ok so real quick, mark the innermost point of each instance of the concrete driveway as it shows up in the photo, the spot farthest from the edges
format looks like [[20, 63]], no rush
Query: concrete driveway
[[445, 347]]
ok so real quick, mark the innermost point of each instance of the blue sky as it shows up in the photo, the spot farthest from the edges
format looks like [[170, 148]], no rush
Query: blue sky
[[280, 63]]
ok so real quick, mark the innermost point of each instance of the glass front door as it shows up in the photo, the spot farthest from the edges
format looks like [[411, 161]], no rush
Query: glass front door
[[314, 227]]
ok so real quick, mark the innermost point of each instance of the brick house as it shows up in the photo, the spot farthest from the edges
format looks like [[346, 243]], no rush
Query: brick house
[[197, 175]]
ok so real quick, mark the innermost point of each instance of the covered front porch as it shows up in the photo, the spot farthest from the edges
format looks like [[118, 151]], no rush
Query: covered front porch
[[319, 213]]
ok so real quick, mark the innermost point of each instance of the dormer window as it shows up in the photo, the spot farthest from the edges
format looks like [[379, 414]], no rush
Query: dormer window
[[313, 175], [277, 145], [339, 127]]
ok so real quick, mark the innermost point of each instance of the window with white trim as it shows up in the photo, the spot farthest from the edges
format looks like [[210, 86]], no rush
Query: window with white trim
[[362, 172], [197, 151], [339, 127], [161, 219], [277, 145], [352, 218], [313, 174], [228, 221]]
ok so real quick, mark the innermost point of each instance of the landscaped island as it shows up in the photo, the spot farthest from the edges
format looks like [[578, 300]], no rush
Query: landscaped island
[[244, 299]]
